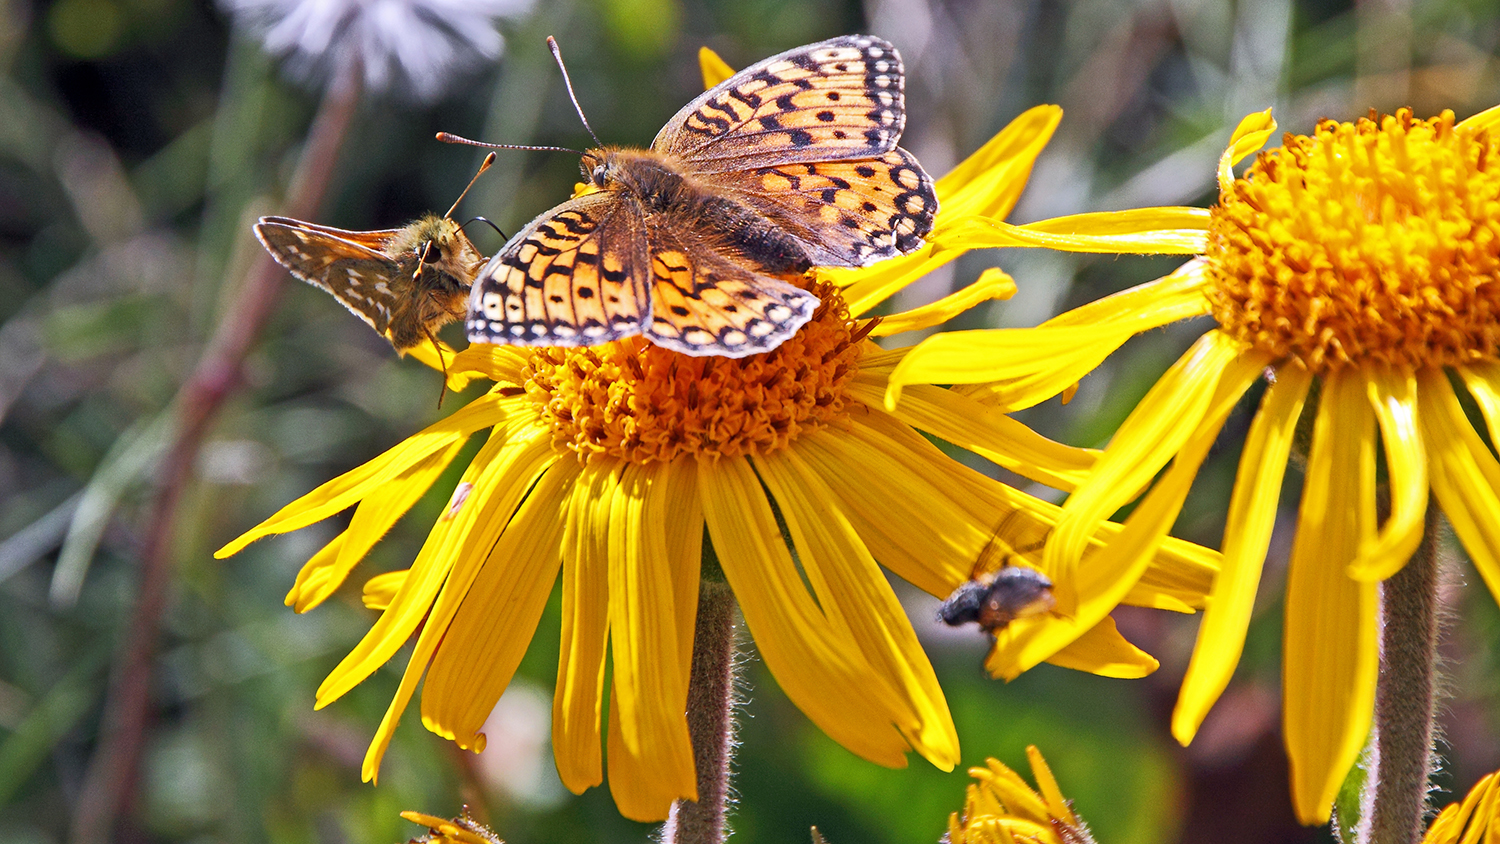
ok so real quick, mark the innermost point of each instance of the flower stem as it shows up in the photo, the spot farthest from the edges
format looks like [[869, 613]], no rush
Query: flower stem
[[1405, 696], [111, 776], [710, 714]]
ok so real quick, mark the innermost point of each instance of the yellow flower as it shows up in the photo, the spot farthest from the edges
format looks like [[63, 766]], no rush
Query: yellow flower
[[460, 830], [606, 465], [1361, 259], [1475, 820], [1002, 809]]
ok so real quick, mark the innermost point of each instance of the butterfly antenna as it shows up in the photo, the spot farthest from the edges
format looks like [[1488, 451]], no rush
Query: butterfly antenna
[[450, 138], [487, 222], [557, 54], [485, 165]]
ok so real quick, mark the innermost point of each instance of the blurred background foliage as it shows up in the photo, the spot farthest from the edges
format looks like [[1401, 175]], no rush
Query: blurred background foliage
[[139, 139]]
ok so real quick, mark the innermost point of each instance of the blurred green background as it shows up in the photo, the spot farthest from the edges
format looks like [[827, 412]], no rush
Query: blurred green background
[[139, 139]]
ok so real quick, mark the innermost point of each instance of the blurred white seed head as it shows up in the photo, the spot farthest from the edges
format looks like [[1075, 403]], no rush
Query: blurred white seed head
[[418, 47]]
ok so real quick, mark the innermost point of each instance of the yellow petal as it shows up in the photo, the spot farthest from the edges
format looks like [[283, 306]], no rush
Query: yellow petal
[[933, 546], [1216, 368], [1473, 820], [1330, 649], [497, 363], [867, 287], [1004, 792], [992, 284], [1249, 136], [461, 830], [1180, 292], [1465, 475], [814, 659], [1103, 651], [650, 673], [500, 473], [432, 353], [1483, 381], [578, 701], [1181, 570], [1394, 398], [349, 488], [381, 589], [1247, 536], [1087, 591], [1020, 367], [847, 581], [715, 69], [483, 644], [984, 430], [684, 528], [1484, 121], [986, 183], [1057, 805], [990, 181], [640, 793], [1145, 231], [373, 518]]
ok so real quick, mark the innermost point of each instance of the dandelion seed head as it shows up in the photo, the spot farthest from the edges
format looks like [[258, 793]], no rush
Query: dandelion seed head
[[418, 47]]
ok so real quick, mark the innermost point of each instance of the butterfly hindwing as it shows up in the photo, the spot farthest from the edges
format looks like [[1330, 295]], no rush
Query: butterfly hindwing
[[576, 276], [836, 99], [705, 304], [848, 213]]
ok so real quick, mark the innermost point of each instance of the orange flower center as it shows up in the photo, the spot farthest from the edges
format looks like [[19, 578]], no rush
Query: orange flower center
[[1371, 242], [638, 402]]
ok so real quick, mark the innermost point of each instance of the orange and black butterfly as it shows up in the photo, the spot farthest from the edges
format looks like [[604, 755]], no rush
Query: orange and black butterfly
[[788, 164], [406, 283]]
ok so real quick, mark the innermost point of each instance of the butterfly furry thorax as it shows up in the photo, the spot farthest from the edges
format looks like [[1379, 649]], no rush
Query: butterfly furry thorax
[[698, 243], [684, 203], [405, 283]]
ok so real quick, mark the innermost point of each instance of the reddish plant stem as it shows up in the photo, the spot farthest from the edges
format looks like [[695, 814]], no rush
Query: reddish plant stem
[[110, 781], [710, 713]]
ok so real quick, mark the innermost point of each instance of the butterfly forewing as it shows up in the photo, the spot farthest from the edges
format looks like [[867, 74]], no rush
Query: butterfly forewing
[[346, 269], [701, 301], [837, 99], [576, 276], [405, 283]]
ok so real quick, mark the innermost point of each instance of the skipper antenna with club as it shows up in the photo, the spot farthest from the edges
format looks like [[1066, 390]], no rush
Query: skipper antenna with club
[[450, 138], [431, 253]]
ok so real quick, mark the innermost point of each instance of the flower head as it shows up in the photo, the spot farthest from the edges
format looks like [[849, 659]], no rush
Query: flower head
[[412, 45], [1362, 259], [607, 468], [1473, 820], [1000, 808], [460, 830]]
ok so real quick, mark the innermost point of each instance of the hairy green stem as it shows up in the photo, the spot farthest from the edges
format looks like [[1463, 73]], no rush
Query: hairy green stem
[[1405, 697], [710, 713]]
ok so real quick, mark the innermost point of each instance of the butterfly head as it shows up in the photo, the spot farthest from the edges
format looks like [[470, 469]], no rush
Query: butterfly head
[[596, 165]]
